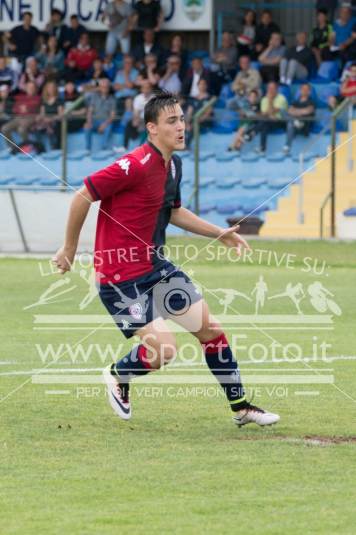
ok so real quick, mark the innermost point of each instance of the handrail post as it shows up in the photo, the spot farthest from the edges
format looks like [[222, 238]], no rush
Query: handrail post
[[196, 130], [64, 132], [333, 173], [64, 147], [196, 138], [350, 161], [301, 190]]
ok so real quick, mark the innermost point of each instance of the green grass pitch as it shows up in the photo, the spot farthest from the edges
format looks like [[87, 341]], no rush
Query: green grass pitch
[[69, 466]]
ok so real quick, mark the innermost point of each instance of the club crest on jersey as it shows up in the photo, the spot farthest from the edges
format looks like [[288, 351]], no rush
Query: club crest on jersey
[[173, 170], [124, 163], [136, 311]]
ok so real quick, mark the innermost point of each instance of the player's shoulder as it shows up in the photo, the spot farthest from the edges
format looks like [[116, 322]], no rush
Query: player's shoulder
[[130, 162]]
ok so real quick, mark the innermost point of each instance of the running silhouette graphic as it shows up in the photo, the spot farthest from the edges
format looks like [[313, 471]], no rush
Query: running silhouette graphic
[[229, 296], [295, 293], [90, 279], [260, 290], [128, 302], [319, 299]]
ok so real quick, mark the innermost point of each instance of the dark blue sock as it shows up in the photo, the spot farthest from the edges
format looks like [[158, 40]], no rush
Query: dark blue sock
[[133, 364], [224, 367]]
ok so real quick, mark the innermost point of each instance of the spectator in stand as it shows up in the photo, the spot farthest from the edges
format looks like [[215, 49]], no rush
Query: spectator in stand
[[246, 37], [77, 117], [25, 109], [50, 59], [148, 46], [195, 73], [109, 66], [321, 35], [97, 73], [297, 61], [126, 79], [273, 108], [100, 115], [264, 30], [149, 72], [329, 6], [118, 16], [48, 121], [245, 81], [247, 127], [300, 115], [347, 89], [56, 27], [136, 125], [8, 76], [195, 104], [224, 63], [170, 80], [350, 52], [80, 60], [125, 83], [72, 34], [271, 58], [342, 37], [148, 15], [33, 74], [21, 40], [176, 49], [6, 104]]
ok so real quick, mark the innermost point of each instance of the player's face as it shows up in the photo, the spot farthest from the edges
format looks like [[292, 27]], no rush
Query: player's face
[[171, 127]]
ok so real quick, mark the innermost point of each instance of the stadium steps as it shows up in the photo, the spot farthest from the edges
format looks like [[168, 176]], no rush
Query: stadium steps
[[283, 222]]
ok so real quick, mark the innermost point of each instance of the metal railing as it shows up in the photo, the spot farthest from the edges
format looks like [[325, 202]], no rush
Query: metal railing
[[64, 136], [344, 104], [300, 216], [196, 139]]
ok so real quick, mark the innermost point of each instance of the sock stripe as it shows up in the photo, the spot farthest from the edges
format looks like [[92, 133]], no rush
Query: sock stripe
[[215, 345], [142, 355]]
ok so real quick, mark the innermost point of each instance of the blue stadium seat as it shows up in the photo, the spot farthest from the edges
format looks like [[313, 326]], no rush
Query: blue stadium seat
[[278, 182], [328, 71], [102, 155], [5, 155], [52, 155], [206, 207], [253, 183], [276, 157], [227, 156], [250, 157], [204, 182], [27, 181], [6, 180], [227, 207], [228, 182], [78, 155], [286, 92], [49, 181]]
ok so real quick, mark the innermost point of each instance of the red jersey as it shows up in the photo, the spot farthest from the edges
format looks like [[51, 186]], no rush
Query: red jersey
[[137, 194], [83, 58], [26, 104]]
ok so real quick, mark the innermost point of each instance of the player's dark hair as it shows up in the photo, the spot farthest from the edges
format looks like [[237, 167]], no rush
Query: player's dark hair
[[159, 101]]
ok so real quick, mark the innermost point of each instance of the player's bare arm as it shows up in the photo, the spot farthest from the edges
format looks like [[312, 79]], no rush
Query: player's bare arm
[[185, 219], [78, 211]]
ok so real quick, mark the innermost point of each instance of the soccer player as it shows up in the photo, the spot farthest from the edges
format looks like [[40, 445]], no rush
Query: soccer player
[[140, 196]]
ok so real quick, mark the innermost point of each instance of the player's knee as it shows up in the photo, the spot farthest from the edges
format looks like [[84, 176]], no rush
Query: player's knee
[[168, 352], [209, 332]]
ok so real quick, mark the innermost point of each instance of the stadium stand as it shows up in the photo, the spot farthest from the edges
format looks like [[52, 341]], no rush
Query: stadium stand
[[233, 183]]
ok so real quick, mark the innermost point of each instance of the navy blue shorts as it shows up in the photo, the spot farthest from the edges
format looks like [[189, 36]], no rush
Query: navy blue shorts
[[167, 293]]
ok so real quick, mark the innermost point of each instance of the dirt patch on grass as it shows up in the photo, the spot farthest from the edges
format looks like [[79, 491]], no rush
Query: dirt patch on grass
[[309, 440]]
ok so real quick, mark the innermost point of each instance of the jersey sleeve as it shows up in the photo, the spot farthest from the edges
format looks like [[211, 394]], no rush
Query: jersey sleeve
[[178, 165], [122, 175]]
